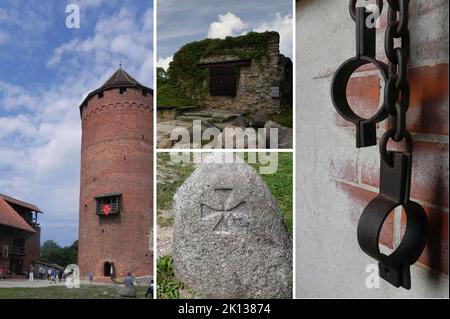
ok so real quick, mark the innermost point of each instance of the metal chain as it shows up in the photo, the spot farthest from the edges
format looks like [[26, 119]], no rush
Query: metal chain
[[396, 94], [395, 167], [352, 7]]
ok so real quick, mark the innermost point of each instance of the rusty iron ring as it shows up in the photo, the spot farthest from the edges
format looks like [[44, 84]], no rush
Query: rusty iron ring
[[339, 87]]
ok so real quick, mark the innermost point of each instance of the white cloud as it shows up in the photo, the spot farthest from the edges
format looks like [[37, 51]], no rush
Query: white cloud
[[232, 25], [164, 62], [15, 97], [228, 25], [284, 26], [122, 38]]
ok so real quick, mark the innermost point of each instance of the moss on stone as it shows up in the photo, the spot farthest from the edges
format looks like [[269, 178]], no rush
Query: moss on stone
[[187, 84]]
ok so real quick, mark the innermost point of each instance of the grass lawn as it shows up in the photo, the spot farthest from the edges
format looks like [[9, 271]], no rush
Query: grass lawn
[[62, 292], [165, 192], [281, 187]]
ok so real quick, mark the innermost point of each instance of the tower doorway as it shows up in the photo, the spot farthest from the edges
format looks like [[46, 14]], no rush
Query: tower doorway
[[107, 269]]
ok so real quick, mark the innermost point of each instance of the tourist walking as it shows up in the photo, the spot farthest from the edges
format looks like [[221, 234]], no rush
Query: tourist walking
[[49, 275], [91, 277], [150, 290], [53, 276], [31, 273], [2, 271]]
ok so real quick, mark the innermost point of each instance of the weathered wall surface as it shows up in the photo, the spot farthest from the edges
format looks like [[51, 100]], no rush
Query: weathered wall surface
[[335, 180], [254, 89], [117, 157]]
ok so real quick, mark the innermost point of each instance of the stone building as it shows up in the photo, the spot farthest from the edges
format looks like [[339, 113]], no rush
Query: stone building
[[116, 187], [241, 80], [20, 235]]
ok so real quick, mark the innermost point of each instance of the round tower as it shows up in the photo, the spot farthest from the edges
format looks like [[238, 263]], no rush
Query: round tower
[[116, 187]]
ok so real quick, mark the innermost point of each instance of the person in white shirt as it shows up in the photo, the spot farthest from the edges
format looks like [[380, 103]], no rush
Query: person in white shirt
[[31, 274]]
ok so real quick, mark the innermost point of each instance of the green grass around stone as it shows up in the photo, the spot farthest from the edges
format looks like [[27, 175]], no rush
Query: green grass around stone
[[168, 286], [62, 292], [166, 190], [283, 119], [280, 185]]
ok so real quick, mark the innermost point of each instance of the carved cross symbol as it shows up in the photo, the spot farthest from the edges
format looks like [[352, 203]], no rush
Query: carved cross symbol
[[227, 211]]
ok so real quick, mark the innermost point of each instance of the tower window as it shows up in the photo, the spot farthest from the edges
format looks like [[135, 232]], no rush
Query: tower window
[[100, 95], [108, 204], [144, 93], [122, 91]]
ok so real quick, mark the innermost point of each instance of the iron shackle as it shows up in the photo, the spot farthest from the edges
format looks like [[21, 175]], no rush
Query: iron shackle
[[394, 192], [365, 54]]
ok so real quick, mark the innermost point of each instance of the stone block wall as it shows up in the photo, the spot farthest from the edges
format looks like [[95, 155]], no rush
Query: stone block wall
[[255, 82], [335, 180]]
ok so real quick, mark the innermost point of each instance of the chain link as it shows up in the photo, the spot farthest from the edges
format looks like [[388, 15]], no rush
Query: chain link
[[397, 93], [352, 7]]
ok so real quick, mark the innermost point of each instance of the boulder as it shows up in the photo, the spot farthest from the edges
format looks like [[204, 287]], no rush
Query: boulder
[[126, 291], [260, 118], [230, 239], [285, 137], [241, 121]]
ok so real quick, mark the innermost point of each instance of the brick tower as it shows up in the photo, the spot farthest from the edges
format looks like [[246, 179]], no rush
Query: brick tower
[[116, 186]]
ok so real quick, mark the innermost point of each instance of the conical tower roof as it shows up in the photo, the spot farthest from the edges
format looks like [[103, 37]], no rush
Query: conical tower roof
[[120, 79]]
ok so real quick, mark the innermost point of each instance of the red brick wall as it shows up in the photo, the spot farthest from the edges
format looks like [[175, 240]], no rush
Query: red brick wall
[[427, 120], [117, 156]]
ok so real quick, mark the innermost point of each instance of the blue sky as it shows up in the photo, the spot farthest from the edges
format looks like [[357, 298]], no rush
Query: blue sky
[[183, 21], [46, 70]]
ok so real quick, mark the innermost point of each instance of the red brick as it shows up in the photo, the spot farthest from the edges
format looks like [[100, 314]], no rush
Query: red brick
[[428, 112], [358, 199], [429, 174], [117, 156], [435, 254], [346, 169], [363, 95]]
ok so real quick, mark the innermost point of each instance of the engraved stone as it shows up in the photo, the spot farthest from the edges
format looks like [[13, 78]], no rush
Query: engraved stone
[[230, 239]]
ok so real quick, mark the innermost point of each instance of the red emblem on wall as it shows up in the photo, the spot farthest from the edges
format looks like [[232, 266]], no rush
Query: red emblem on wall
[[106, 209]]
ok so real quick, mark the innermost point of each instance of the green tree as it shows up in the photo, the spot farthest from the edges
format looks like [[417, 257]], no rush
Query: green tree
[[51, 252]]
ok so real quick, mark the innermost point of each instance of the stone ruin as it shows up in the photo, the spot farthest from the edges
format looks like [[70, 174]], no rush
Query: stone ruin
[[249, 84]]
